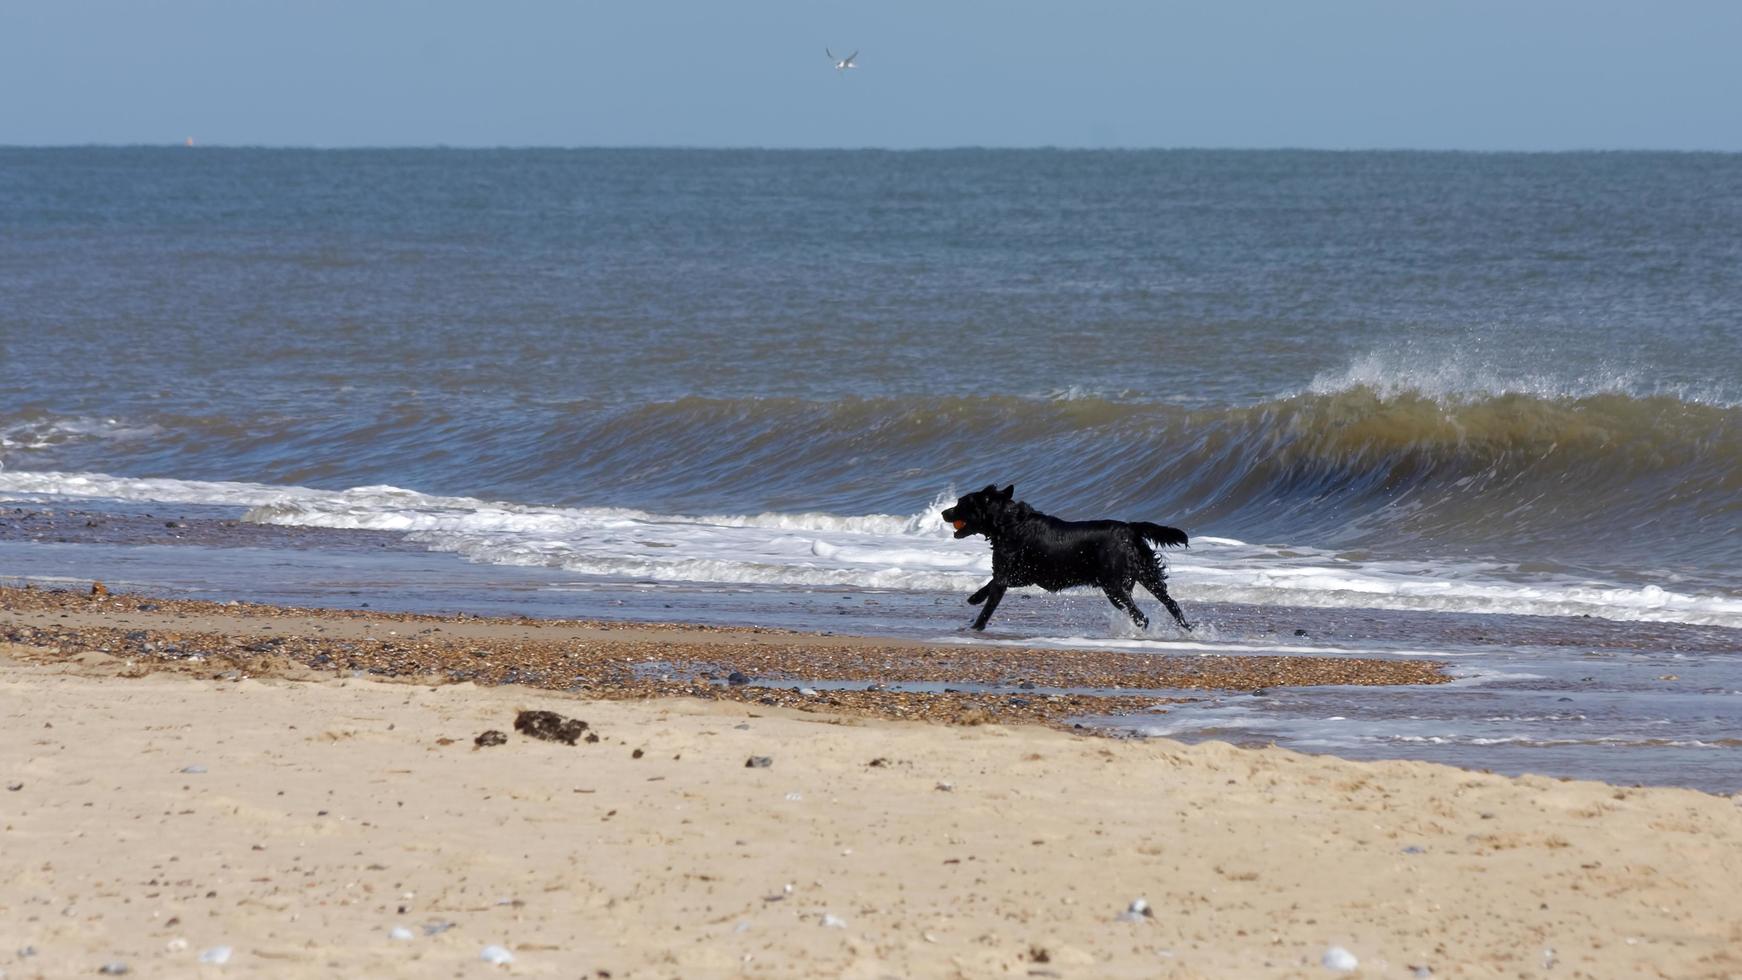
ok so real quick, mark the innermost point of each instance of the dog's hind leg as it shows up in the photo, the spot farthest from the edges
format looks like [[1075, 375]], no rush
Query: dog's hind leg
[[1121, 599], [980, 596], [1156, 583], [993, 592]]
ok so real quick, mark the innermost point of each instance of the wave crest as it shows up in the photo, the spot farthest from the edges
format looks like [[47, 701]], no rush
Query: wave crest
[[1465, 378], [1602, 478]]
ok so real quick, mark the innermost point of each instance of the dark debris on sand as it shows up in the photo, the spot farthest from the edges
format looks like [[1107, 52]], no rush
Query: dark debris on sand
[[550, 726]]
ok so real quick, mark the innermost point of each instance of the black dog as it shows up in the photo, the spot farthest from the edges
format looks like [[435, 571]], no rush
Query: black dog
[[1031, 548]]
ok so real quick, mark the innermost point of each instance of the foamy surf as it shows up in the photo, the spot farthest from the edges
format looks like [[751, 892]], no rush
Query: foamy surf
[[875, 551]]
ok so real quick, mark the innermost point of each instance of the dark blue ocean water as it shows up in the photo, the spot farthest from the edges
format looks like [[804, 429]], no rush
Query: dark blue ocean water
[[1383, 350]]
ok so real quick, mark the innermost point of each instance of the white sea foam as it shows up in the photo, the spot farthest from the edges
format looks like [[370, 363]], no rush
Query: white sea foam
[[1454, 376], [1466, 675], [890, 551], [1160, 647], [24, 485], [46, 432], [1458, 376], [1199, 719]]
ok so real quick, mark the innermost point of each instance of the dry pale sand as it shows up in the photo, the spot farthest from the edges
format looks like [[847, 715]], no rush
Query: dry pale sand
[[149, 818]]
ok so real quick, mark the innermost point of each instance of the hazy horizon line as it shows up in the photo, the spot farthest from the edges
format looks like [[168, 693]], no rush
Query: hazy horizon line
[[765, 148]]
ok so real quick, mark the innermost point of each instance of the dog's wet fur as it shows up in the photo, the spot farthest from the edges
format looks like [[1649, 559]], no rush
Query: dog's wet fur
[[1031, 548]]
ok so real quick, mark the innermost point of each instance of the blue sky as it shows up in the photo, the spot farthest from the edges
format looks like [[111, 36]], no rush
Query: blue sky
[[1476, 75]]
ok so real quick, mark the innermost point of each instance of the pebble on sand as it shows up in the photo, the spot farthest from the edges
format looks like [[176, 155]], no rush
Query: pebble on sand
[[1137, 911], [1339, 959], [217, 955], [758, 762], [496, 955]]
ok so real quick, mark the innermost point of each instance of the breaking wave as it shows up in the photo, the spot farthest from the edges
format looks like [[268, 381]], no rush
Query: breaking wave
[[1569, 482]]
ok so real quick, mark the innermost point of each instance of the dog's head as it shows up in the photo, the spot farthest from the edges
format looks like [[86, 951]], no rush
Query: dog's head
[[977, 513]]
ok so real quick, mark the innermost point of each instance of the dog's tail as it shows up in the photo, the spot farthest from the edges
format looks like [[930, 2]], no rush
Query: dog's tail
[[1161, 534]]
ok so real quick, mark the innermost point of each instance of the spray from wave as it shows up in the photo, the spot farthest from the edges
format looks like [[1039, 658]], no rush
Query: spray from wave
[[1462, 377]]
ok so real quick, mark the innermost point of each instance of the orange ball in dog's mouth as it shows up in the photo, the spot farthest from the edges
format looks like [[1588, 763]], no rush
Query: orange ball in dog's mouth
[[960, 524]]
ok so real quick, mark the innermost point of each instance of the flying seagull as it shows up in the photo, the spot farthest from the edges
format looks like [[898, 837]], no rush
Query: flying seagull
[[842, 64]]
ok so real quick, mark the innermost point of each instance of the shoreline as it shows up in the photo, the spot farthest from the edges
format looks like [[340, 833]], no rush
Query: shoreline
[[614, 659]]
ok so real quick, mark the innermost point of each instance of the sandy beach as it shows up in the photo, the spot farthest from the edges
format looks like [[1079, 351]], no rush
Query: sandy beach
[[324, 824]]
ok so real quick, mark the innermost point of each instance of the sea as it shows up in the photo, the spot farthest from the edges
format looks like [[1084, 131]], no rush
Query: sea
[[1478, 408]]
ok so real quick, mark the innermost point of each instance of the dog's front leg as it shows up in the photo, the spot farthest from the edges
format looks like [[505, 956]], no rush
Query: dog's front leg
[[980, 596], [994, 591]]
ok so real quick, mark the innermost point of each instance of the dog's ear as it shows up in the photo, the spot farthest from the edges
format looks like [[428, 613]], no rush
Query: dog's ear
[[991, 490], [1008, 491]]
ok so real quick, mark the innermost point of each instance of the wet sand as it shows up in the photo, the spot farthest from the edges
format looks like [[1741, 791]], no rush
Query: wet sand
[[153, 815], [603, 659]]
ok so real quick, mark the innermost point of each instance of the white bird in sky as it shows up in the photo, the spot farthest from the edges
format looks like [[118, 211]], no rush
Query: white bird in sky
[[842, 64]]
